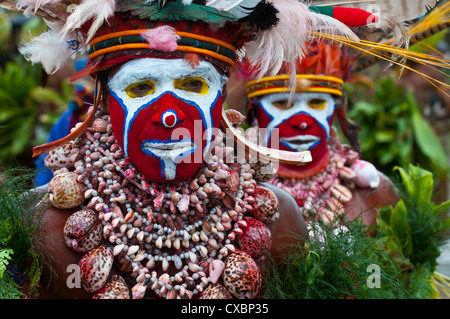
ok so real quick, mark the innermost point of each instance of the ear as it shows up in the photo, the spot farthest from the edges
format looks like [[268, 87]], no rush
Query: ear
[[103, 79], [225, 91], [251, 107]]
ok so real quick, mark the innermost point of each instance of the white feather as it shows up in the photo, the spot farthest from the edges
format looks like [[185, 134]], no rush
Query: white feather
[[238, 8], [286, 42], [97, 10], [47, 49], [36, 4]]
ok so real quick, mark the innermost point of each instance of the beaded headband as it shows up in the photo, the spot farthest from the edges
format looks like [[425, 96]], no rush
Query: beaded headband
[[187, 42], [305, 83]]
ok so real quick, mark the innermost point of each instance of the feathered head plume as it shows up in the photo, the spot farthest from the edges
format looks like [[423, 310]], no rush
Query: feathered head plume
[[266, 31]]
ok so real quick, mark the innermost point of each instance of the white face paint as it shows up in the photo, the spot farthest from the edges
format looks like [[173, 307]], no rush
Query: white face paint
[[163, 72], [165, 76], [301, 103]]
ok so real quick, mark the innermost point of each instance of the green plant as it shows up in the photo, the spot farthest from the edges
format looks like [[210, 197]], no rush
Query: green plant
[[20, 221], [393, 131], [5, 28], [21, 123], [405, 244], [332, 265], [415, 230]]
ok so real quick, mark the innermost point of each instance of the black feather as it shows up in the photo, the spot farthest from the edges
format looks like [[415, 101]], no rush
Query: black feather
[[263, 17]]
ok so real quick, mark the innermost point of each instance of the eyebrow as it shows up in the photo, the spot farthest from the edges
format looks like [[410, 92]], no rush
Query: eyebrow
[[134, 73]]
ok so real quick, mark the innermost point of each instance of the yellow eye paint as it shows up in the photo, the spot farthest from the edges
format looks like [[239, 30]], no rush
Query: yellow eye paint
[[140, 89], [192, 84], [282, 104], [317, 104]]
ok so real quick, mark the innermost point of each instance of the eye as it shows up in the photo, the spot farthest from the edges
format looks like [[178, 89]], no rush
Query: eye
[[283, 104], [192, 84], [317, 104], [140, 89]]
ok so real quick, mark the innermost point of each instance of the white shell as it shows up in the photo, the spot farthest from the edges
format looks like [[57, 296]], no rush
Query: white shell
[[366, 174]]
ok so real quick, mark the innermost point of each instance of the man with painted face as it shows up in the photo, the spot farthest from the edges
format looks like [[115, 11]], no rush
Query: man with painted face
[[146, 193], [165, 112], [336, 183]]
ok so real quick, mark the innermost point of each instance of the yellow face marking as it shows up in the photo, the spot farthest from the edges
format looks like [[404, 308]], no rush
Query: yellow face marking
[[192, 84], [140, 89], [317, 104], [283, 104]]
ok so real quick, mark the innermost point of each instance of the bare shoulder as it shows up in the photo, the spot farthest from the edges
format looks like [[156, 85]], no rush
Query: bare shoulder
[[290, 227], [366, 201]]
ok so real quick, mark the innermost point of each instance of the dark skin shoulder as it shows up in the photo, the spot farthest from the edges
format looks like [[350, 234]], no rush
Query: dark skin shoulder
[[366, 201], [58, 258]]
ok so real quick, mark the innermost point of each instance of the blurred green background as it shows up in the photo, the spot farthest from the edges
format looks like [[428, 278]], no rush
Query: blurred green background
[[27, 110]]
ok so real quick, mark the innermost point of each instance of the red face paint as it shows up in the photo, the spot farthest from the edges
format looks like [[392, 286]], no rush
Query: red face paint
[[166, 138], [299, 128]]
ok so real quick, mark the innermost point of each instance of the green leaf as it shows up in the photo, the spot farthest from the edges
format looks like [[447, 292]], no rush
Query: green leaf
[[365, 108], [367, 140], [386, 156], [401, 228], [21, 140], [446, 223], [385, 214], [47, 95], [428, 143], [422, 181], [5, 27], [405, 179], [5, 257], [385, 136], [440, 208]]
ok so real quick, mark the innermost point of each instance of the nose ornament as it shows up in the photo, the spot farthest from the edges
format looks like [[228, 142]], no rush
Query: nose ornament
[[169, 118]]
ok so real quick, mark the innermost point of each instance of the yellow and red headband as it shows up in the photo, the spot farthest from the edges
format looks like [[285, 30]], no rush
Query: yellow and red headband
[[305, 83], [324, 70]]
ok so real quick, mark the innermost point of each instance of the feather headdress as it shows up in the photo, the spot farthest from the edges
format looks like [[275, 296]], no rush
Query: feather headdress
[[279, 28]]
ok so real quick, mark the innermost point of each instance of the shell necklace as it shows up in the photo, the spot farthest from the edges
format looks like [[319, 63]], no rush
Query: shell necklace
[[184, 240], [322, 194]]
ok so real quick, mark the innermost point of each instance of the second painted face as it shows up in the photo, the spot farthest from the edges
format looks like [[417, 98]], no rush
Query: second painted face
[[302, 125], [164, 114]]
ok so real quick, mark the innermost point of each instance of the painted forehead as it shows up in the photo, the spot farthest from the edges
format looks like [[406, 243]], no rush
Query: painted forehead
[[299, 100], [157, 69]]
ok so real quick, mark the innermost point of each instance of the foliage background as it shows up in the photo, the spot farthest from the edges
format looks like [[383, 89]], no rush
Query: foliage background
[[27, 110]]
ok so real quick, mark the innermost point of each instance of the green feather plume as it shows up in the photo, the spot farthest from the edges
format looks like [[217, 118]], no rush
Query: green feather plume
[[175, 11]]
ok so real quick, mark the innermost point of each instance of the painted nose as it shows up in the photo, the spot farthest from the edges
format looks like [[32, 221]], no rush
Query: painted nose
[[302, 121], [169, 118]]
